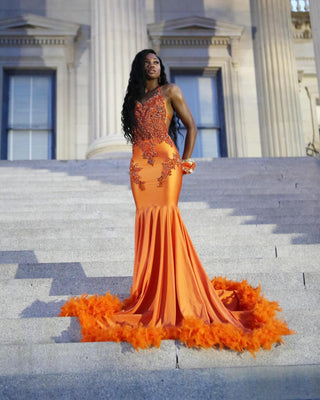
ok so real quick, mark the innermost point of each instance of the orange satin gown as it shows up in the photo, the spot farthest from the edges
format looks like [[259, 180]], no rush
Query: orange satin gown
[[171, 295]]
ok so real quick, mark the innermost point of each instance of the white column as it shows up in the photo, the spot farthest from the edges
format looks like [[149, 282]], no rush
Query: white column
[[277, 81], [315, 26], [118, 32]]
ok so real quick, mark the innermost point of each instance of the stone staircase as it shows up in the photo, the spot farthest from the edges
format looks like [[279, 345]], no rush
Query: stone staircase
[[67, 228]]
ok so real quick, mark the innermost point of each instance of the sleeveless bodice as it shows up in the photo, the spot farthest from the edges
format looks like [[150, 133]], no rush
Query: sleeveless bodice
[[151, 120], [151, 131]]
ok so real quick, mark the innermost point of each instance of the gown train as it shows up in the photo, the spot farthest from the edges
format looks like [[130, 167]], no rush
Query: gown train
[[171, 295]]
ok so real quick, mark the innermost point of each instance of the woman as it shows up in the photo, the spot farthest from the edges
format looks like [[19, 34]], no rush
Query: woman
[[171, 295]]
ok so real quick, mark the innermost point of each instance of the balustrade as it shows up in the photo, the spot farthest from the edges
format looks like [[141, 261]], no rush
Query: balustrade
[[300, 5]]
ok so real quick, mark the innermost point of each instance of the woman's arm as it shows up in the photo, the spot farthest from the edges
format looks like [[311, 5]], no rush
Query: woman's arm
[[179, 104]]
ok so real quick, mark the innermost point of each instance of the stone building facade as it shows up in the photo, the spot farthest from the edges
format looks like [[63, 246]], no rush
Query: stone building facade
[[248, 70]]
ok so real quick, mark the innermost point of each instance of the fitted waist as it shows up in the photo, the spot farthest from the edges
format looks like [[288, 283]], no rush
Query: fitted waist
[[148, 150]]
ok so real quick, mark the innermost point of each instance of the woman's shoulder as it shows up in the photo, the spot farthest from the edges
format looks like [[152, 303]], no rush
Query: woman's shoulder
[[171, 90]]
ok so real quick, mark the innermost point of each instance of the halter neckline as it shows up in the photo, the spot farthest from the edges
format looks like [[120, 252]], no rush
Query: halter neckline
[[159, 93], [152, 96]]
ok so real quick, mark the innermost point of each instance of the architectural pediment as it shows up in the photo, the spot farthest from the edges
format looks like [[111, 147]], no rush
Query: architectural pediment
[[195, 26], [35, 25]]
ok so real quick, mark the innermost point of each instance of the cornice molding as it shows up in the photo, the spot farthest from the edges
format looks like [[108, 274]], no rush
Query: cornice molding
[[195, 26], [16, 41], [194, 31], [33, 30], [185, 41]]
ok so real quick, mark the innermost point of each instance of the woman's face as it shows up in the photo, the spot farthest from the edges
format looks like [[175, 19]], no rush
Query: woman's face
[[152, 66]]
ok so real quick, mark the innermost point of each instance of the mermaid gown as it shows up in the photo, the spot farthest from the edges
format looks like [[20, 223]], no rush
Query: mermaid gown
[[171, 295]]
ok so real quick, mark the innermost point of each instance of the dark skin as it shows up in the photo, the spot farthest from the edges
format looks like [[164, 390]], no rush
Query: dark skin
[[174, 101]]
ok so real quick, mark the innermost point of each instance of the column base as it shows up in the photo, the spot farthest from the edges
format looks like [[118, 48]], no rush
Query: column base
[[109, 147]]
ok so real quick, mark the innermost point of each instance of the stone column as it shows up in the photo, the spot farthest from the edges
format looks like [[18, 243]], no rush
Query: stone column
[[277, 81], [118, 32], [315, 26]]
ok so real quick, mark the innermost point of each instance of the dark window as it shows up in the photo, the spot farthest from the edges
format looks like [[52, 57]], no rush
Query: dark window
[[29, 115], [203, 93]]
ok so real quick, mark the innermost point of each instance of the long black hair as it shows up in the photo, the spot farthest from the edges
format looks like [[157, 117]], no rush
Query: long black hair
[[136, 90]]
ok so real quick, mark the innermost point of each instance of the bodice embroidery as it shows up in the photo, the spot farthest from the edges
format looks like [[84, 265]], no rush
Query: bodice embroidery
[[168, 166], [134, 172], [151, 129]]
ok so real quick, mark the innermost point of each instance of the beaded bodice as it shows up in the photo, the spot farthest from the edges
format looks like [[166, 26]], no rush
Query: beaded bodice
[[151, 129], [151, 120]]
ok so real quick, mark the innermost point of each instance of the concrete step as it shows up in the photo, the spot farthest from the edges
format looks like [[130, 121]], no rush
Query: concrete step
[[197, 192], [190, 207], [71, 238], [281, 220], [225, 267], [214, 199], [124, 240], [65, 215], [243, 190], [299, 251], [65, 187], [297, 350], [232, 383], [82, 357], [235, 211], [77, 243], [200, 217], [89, 200], [7, 228], [82, 205], [52, 229], [86, 357], [109, 253], [213, 169], [68, 330], [30, 306], [272, 212], [287, 165], [73, 281], [214, 267], [64, 193], [257, 186], [211, 187], [39, 330], [222, 200], [252, 178], [216, 169], [248, 176], [63, 286], [15, 239], [223, 169], [33, 305]]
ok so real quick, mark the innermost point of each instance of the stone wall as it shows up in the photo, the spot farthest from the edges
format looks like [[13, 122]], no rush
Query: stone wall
[[232, 49]]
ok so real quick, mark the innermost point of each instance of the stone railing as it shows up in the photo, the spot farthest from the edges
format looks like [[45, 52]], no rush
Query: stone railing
[[300, 5], [300, 16]]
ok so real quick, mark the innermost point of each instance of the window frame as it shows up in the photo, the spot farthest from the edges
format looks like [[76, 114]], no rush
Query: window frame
[[7, 72], [209, 73]]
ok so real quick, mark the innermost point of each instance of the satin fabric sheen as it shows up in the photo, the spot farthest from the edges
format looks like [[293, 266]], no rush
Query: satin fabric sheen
[[169, 282], [171, 295]]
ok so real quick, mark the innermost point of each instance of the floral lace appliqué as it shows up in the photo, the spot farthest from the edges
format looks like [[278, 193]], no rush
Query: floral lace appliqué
[[134, 173], [151, 129], [168, 166]]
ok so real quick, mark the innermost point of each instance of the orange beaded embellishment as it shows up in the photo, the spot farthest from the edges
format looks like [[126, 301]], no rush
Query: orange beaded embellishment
[[168, 166], [134, 169], [151, 129]]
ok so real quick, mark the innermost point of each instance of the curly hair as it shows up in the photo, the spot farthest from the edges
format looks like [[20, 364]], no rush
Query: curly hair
[[136, 90]]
